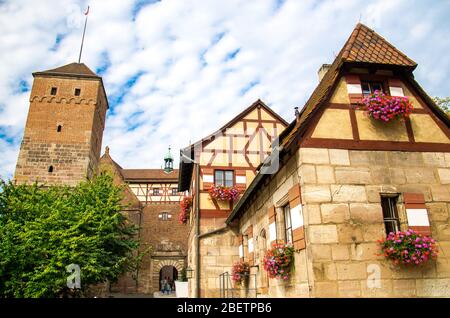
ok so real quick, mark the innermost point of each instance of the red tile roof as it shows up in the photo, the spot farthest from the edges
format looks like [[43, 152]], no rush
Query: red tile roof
[[365, 45], [149, 175]]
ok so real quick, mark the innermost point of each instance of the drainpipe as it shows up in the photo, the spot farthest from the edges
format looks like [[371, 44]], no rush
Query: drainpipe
[[197, 220], [197, 227]]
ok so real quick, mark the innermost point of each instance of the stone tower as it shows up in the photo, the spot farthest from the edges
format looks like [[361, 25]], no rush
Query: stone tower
[[64, 128]]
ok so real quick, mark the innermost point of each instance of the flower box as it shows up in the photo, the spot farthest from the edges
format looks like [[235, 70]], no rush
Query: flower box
[[408, 248], [222, 193], [240, 274], [278, 261], [387, 108], [185, 208]]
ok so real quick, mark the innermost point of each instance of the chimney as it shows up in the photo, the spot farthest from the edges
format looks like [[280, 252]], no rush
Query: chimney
[[297, 113], [323, 70]]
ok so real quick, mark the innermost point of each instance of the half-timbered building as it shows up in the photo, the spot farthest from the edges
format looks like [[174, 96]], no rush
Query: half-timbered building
[[229, 157], [347, 180]]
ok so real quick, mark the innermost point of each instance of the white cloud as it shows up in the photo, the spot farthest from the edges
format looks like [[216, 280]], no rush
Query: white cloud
[[171, 61]]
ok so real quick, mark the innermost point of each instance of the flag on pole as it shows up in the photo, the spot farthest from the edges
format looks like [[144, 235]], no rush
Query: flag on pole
[[87, 11]]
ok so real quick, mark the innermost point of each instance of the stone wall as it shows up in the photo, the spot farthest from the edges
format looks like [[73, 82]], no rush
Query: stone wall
[[343, 220]]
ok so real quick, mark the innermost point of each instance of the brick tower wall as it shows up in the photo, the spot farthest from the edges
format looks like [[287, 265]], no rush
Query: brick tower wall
[[74, 151]]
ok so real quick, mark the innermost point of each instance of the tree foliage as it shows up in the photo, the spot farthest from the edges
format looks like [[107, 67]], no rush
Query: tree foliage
[[45, 229], [443, 103]]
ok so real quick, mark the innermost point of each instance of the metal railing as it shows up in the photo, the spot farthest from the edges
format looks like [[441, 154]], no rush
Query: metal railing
[[229, 290]]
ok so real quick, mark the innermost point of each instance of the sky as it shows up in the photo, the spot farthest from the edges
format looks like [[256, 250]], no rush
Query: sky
[[175, 71]]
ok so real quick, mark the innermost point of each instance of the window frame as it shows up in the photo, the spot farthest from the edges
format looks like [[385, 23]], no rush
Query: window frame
[[157, 192], [390, 212], [224, 179], [174, 191], [164, 216], [288, 235]]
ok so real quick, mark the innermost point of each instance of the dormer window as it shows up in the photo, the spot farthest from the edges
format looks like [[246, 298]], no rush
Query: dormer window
[[369, 88], [53, 91]]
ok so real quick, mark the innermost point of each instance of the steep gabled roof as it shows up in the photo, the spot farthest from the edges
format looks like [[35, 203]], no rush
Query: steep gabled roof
[[186, 168], [240, 116], [72, 69], [364, 46], [367, 46]]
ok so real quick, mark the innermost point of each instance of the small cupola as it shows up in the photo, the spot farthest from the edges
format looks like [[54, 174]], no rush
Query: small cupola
[[168, 162]]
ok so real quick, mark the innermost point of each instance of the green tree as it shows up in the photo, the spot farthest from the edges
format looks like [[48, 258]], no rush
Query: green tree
[[45, 229], [443, 103]]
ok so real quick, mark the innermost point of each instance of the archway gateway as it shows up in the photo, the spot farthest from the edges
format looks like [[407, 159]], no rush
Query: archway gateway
[[170, 273]]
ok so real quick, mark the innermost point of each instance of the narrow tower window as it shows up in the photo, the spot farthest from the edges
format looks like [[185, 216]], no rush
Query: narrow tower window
[[77, 92], [53, 91], [50, 169], [58, 129]]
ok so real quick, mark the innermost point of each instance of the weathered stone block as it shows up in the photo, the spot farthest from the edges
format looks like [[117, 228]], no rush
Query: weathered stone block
[[351, 271], [433, 287], [373, 232], [405, 159], [434, 159], [313, 212], [366, 213], [325, 174], [444, 176], [349, 233], [420, 175], [322, 234], [351, 175], [367, 158], [307, 174], [314, 155], [321, 252], [325, 289], [335, 213], [316, 194], [380, 175], [330, 272], [339, 157], [348, 193], [349, 288], [441, 193], [384, 290], [340, 252], [397, 175], [365, 251], [404, 287], [438, 212]]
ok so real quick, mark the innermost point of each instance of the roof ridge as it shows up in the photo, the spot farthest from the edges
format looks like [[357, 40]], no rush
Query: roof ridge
[[78, 69]]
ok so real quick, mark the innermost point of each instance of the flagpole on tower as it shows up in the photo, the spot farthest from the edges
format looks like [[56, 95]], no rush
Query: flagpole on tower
[[84, 32]]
